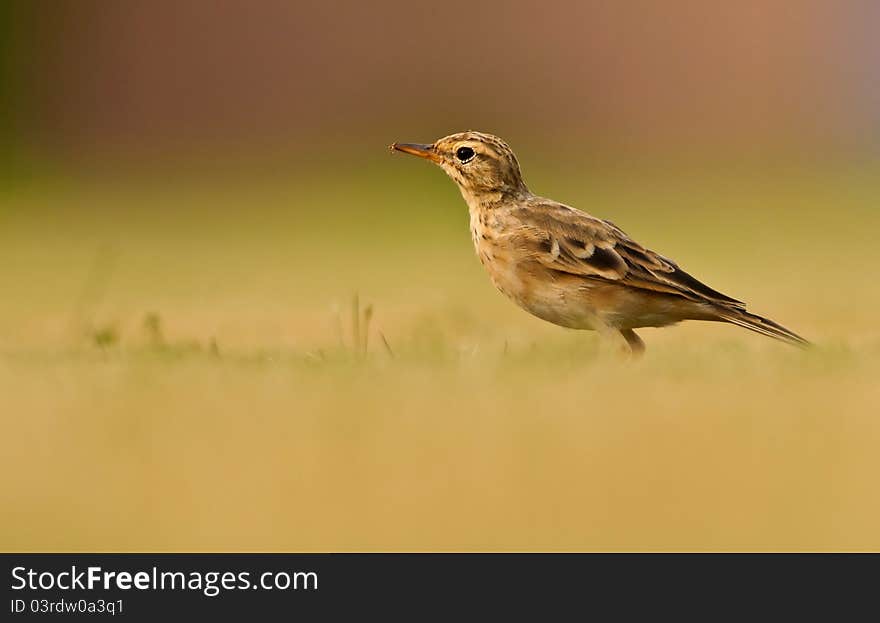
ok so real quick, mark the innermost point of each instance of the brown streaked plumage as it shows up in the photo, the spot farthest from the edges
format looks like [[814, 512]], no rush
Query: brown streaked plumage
[[568, 267]]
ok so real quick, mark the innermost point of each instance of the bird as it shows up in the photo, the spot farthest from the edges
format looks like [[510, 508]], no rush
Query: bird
[[566, 266]]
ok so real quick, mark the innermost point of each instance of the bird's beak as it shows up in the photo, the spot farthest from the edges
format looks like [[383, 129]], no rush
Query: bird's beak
[[422, 151]]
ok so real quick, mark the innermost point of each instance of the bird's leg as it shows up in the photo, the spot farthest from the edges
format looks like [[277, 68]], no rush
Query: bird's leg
[[614, 340], [636, 345]]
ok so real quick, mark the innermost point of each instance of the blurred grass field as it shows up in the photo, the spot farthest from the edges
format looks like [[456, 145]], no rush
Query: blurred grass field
[[183, 378]]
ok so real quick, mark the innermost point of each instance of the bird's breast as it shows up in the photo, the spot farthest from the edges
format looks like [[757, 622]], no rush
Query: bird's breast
[[491, 243], [519, 276]]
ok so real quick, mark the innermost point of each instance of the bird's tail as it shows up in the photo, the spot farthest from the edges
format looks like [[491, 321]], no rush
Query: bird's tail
[[764, 326]]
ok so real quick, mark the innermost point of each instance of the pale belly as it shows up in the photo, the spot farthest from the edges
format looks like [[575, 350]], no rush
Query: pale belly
[[579, 303], [547, 299], [565, 299], [570, 300], [533, 288]]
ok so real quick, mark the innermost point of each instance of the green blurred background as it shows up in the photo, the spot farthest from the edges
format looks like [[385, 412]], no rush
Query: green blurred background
[[198, 201]]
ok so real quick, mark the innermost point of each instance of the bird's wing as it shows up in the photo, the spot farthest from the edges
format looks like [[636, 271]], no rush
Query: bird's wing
[[570, 241]]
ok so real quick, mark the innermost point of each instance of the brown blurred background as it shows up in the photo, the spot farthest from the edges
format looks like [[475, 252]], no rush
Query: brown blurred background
[[92, 77]]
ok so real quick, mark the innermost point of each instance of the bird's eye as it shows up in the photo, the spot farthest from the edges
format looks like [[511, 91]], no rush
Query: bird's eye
[[464, 154]]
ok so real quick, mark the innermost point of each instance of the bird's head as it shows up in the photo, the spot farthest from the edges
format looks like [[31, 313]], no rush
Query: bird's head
[[481, 164]]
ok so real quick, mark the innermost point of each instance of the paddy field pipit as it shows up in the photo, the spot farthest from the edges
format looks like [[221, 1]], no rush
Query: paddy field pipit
[[567, 267]]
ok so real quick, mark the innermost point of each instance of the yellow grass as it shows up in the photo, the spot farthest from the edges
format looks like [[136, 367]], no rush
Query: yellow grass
[[176, 372]]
